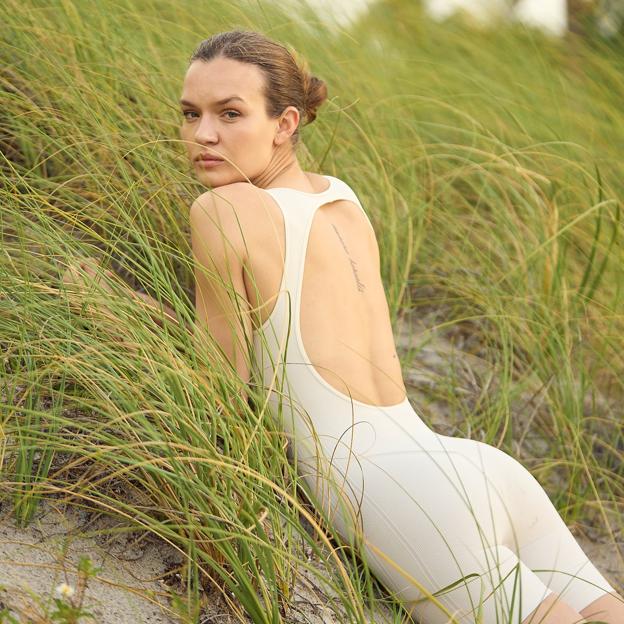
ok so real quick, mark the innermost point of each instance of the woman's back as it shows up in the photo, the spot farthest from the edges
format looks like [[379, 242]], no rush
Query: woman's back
[[340, 325]]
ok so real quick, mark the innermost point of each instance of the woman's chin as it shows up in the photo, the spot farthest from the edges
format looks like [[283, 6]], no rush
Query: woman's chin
[[213, 179], [207, 175]]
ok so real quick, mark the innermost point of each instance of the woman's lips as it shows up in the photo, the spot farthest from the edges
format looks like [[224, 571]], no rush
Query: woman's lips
[[209, 162]]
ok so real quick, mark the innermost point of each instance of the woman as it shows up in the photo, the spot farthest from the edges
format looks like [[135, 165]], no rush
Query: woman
[[428, 510]]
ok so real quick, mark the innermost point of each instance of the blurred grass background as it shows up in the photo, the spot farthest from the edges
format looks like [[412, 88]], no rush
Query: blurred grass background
[[490, 164]]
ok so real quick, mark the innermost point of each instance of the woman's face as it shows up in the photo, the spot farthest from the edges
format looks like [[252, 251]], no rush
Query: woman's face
[[224, 115]]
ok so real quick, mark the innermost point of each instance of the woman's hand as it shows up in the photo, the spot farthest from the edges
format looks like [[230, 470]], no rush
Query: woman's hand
[[90, 266], [75, 274]]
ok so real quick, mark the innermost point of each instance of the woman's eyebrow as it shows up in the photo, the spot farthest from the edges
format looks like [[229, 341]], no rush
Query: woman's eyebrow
[[218, 102]]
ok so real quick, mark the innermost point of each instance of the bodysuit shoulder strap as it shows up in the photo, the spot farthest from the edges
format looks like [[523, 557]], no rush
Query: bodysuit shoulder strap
[[350, 194], [298, 210]]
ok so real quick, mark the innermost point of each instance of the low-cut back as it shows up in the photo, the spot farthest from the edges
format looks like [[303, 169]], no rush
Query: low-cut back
[[335, 328]]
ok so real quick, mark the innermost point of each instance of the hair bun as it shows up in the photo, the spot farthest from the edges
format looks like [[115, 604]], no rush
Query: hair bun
[[315, 95]]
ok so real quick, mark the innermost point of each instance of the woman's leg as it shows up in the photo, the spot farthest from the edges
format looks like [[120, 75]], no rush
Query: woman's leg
[[433, 522], [608, 608], [554, 611], [453, 517], [546, 545]]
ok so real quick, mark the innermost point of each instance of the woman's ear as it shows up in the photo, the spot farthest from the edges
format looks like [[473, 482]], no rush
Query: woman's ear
[[287, 125]]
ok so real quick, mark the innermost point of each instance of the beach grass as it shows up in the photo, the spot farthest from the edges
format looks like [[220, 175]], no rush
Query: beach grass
[[489, 162]]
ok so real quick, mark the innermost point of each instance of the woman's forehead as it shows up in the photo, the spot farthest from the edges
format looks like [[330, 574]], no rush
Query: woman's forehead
[[220, 78]]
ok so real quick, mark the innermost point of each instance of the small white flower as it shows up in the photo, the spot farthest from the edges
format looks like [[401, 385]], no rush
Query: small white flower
[[64, 590]]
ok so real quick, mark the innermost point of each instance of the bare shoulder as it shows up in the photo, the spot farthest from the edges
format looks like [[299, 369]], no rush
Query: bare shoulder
[[231, 205], [224, 211], [235, 196]]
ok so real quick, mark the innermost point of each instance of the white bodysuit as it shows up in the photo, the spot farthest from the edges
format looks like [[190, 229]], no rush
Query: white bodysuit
[[425, 510]]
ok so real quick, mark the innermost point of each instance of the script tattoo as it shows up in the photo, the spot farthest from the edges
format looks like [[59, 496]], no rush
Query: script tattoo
[[360, 285]]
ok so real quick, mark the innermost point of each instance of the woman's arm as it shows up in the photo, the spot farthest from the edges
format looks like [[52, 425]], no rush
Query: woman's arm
[[156, 305], [91, 266]]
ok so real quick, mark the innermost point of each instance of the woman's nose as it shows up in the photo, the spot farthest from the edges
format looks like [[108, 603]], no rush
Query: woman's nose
[[206, 130]]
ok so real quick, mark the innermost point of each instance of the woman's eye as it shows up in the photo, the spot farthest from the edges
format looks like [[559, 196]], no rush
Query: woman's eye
[[229, 112]]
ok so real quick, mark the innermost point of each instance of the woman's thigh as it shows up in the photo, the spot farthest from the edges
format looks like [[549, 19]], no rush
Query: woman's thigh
[[454, 523], [538, 535], [434, 524]]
